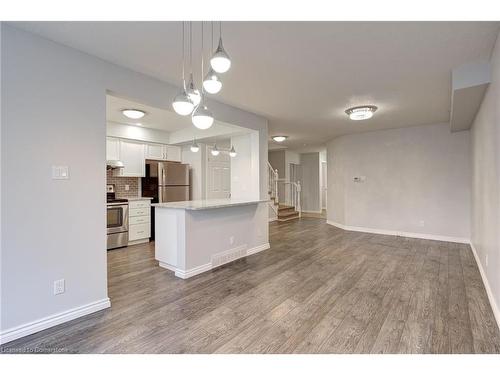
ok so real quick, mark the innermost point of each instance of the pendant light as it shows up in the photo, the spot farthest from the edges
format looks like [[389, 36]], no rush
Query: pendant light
[[194, 146], [232, 152], [182, 103], [202, 117], [212, 83], [220, 61], [215, 151], [192, 91]]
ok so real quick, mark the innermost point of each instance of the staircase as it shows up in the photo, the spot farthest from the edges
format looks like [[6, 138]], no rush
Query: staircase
[[288, 207]]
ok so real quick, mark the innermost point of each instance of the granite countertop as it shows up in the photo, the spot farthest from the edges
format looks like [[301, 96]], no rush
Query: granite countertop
[[206, 204], [138, 198]]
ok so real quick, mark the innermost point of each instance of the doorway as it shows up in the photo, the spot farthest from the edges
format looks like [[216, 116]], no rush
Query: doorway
[[218, 175]]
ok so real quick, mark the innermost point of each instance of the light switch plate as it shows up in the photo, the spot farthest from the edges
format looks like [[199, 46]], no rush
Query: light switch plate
[[60, 172]]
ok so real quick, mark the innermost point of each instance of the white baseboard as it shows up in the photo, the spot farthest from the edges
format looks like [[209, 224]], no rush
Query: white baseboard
[[258, 249], [401, 234], [491, 297], [185, 274], [52, 320], [311, 212], [167, 266]]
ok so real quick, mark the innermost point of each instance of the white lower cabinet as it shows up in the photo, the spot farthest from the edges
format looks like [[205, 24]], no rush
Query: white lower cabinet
[[139, 221]]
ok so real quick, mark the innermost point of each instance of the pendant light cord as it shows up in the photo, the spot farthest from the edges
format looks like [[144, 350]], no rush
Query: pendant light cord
[[191, 46], [202, 75], [183, 58]]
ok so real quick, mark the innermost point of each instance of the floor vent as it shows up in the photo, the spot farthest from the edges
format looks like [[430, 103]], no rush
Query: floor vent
[[229, 255]]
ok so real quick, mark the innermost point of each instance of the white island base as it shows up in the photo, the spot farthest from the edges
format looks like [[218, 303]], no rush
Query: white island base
[[195, 236]]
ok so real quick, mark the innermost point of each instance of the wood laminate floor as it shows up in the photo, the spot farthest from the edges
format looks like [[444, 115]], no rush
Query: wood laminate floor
[[318, 289]]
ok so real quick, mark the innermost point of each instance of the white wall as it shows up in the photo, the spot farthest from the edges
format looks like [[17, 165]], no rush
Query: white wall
[[309, 167], [139, 133], [417, 181], [197, 169], [53, 113], [245, 168], [485, 225]]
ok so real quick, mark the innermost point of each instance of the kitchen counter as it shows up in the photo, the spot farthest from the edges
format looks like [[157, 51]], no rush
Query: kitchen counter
[[138, 198], [192, 237], [206, 204]]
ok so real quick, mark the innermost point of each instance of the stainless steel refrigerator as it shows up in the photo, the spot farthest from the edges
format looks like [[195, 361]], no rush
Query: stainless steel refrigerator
[[165, 182]]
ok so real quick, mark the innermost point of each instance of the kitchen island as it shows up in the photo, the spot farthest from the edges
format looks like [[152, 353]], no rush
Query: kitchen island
[[195, 236]]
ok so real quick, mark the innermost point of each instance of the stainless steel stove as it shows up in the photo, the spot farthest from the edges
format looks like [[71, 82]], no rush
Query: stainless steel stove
[[117, 219]]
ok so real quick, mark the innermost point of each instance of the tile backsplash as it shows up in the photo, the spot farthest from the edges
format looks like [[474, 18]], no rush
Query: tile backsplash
[[120, 182]]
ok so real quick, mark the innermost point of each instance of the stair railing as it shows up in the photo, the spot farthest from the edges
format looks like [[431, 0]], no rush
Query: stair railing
[[272, 187], [292, 194]]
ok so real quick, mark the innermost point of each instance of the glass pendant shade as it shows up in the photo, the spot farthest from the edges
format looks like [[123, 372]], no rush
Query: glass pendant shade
[[193, 92], [202, 117], [195, 147], [182, 104], [215, 151], [220, 61], [212, 83], [232, 152]]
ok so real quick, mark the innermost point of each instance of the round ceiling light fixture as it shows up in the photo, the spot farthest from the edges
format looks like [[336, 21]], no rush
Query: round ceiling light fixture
[[362, 112], [134, 114], [280, 138]]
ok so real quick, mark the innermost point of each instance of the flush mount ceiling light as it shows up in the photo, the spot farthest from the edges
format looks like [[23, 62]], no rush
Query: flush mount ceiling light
[[280, 138], [133, 113], [363, 112], [220, 61]]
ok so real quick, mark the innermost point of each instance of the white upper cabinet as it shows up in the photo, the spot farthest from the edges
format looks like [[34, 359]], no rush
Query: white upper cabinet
[[134, 153], [155, 151], [112, 148], [132, 156], [173, 153]]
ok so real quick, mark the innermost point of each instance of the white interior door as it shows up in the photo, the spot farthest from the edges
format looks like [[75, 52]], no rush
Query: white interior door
[[218, 176]]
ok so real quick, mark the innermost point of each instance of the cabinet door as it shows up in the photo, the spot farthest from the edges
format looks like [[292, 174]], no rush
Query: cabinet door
[[173, 153], [112, 148], [155, 151], [132, 156]]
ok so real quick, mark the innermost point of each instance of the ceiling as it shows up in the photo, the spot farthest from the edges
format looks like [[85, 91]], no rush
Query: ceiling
[[155, 118], [303, 75]]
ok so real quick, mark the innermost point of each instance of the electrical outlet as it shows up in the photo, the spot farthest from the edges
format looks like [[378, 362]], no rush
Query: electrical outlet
[[231, 240], [59, 286], [127, 187], [421, 223], [486, 260]]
